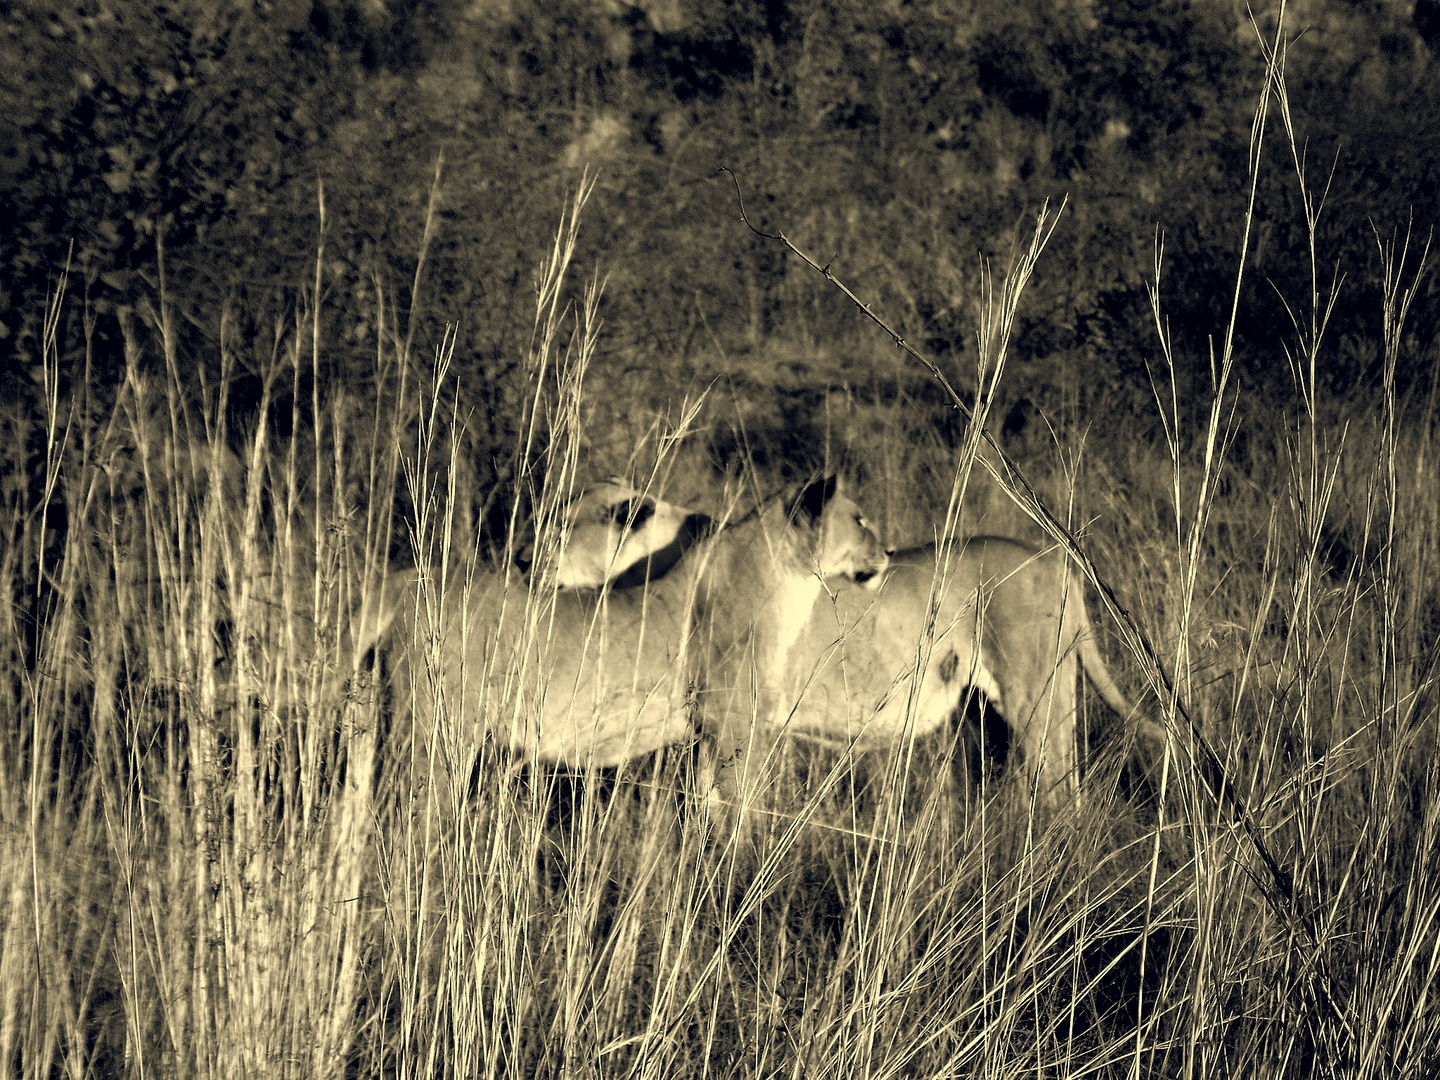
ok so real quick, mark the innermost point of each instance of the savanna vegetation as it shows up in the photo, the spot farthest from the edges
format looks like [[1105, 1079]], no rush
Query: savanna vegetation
[[297, 293]]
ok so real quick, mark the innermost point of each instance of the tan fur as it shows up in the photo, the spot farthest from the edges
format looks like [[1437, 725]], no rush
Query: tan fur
[[609, 528], [595, 677], [1008, 620]]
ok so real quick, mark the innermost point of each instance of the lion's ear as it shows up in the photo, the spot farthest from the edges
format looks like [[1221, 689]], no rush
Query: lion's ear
[[383, 608], [814, 497]]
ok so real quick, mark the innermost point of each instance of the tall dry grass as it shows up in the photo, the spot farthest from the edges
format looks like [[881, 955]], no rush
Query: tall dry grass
[[224, 850]]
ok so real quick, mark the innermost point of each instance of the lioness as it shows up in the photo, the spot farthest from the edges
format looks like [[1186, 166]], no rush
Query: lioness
[[583, 677], [995, 614], [610, 532], [617, 534]]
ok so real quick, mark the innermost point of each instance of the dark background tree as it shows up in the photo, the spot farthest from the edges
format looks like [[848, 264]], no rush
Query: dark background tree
[[900, 143]]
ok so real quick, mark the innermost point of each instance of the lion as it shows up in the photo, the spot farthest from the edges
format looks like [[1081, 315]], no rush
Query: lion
[[617, 534], [989, 614], [586, 677], [611, 533]]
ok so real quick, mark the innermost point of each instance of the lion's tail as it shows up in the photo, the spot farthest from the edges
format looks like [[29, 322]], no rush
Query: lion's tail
[[1099, 675]]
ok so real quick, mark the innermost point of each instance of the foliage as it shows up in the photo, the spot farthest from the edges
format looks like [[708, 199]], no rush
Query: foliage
[[224, 850], [224, 847], [901, 144]]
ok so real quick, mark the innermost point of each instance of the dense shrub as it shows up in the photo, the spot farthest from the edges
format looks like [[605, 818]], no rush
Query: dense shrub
[[900, 145]]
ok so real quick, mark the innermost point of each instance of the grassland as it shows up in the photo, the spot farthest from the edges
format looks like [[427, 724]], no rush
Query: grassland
[[222, 854]]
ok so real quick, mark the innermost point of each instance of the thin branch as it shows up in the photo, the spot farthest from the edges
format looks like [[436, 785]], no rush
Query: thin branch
[[1210, 769]]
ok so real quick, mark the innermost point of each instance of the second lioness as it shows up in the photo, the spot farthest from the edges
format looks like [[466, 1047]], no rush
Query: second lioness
[[610, 532], [597, 676], [615, 533], [1008, 620]]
